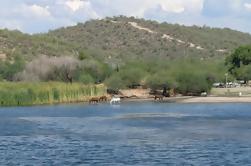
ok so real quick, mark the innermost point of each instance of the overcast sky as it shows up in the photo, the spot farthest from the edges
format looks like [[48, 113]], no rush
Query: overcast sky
[[33, 16]]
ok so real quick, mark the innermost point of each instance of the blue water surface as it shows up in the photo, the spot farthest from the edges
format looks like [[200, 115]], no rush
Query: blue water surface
[[143, 133]]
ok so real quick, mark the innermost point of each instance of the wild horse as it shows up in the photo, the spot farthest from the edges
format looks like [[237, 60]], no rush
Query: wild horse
[[115, 100], [102, 98], [158, 97], [94, 100]]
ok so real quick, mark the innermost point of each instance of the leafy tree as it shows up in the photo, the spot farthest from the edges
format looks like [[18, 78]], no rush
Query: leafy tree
[[160, 80], [98, 70], [194, 83], [9, 69], [86, 79], [241, 56], [132, 76], [239, 63], [115, 82], [243, 72]]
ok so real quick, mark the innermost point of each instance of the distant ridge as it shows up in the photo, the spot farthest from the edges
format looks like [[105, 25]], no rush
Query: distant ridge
[[122, 38]]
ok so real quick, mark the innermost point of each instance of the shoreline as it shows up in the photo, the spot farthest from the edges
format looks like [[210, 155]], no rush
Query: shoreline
[[192, 99], [217, 96], [216, 99], [180, 100]]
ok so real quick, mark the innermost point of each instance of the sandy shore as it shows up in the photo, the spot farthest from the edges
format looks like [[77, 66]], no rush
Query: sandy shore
[[141, 95], [217, 100], [188, 99]]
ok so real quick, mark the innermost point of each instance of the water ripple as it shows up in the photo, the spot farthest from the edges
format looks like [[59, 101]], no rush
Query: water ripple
[[131, 134]]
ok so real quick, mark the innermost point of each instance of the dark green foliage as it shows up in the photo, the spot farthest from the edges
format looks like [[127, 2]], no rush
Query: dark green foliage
[[131, 76], [133, 73], [186, 75], [239, 63], [9, 69], [243, 73], [56, 94], [115, 82], [96, 69], [161, 79], [190, 83], [241, 56], [82, 56], [86, 78]]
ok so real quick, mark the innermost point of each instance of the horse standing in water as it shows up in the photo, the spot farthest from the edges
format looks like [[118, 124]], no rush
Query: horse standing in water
[[94, 100], [158, 97], [102, 98], [115, 100]]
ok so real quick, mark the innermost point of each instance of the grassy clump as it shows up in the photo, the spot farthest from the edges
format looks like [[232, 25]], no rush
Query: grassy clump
[[20, 94]]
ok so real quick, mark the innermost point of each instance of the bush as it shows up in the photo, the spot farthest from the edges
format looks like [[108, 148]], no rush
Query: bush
[[96, 69], [160, 80], [8, 70], [243, 72], [132, 76], [86, 79], [192, 83], [115, 82]]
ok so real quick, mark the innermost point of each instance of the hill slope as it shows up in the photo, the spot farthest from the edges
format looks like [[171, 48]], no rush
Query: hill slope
[[121, 38]]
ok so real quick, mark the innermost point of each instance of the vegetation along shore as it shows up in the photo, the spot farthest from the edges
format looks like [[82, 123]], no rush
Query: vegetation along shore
[[20, 94], [75, 63]]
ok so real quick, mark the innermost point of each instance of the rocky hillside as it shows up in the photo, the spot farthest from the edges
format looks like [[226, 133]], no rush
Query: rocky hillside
[[15, 43], [122, 38]]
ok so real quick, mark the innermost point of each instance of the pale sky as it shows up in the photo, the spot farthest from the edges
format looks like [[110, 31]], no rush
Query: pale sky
[[34, 16]]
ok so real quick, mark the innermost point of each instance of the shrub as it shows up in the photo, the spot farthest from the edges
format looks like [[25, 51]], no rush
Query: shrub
[[131, 76], [115, 82], [160, 80], [192, 83], [86, 79]]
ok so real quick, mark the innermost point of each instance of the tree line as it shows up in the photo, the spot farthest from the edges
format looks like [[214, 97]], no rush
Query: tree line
[[185, 75]]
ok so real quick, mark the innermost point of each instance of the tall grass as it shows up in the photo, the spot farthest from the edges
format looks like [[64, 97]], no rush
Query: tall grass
[[21, 94]]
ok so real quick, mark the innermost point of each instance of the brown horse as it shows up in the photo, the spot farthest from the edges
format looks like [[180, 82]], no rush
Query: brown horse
[[158, 97], [103, 98], [94, 100]]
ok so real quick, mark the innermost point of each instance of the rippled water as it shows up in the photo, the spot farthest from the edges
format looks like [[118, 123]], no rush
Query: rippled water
[[127, 134]]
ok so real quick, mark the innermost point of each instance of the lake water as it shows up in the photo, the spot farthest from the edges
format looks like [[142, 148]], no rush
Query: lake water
[[127, 134]]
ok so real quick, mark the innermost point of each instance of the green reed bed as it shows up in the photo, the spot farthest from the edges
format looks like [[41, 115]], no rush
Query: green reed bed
[[14, 94]]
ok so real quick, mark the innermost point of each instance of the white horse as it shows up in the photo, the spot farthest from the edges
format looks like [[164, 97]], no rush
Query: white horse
[[115, 100]]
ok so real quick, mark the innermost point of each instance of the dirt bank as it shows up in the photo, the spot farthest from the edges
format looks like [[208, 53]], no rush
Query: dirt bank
[[217, 100]]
